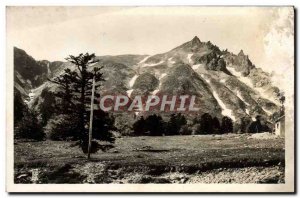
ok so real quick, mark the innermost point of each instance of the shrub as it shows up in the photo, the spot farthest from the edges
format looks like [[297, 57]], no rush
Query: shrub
[[103, 125], [124, 124], [139, 127], [195, 129], [258, 126], [63, 127], [245, 123], [205, 124], [155, 125], [19, 106], [185, 130], [29, 127], [216, 128], [47, 107], [176, 122], [66, 127], [227, 125]]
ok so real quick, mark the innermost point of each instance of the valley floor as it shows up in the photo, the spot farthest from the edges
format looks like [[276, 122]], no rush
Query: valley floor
[[230, 158]]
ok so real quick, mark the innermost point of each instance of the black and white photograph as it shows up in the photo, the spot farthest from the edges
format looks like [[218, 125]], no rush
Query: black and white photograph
[[150, 99]]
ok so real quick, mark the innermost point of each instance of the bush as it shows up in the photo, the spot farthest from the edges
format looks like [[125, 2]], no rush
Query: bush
[[19, 106], [185, 130], [66, 127], [205, 124], [139, 127], [29, 127], [227, 125], [195, 129], [124, 124], [47, 107], [245, 123], [176, 122], [155, 125], [63, 127], [103, 125], [216, 128], [258, 126]]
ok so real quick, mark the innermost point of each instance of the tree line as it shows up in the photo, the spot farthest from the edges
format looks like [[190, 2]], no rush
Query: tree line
[[177, 124]]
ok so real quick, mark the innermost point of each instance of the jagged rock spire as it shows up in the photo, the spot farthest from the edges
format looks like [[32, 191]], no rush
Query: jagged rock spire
[[241, 53], [196, 41]]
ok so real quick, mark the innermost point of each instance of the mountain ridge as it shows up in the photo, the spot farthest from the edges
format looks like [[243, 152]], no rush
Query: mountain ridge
[[226, 84]]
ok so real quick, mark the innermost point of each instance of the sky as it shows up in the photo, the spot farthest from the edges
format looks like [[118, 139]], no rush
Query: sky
[[266, 34]]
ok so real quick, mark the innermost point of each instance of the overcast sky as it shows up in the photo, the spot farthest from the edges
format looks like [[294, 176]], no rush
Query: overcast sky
[[52, 33]]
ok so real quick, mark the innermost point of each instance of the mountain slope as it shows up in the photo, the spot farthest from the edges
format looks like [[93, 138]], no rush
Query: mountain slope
[[224, 84], [29, 73]]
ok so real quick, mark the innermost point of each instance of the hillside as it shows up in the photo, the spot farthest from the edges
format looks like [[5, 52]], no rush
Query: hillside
[[225, 84]]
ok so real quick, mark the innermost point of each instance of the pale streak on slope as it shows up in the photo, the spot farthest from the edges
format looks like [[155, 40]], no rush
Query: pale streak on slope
[[157, 90], [129, 92], [225, 110], [267, 111], [248, 82], [223, 81], [144, 60], [247, 111], [238, 94], [189, 57], [245, 80], [132, 80], [195, 67], [170, 60], [153, 64], [162, 75]]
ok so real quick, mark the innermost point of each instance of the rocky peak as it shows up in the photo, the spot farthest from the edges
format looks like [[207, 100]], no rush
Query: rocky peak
[[196, 42], [241, 53]]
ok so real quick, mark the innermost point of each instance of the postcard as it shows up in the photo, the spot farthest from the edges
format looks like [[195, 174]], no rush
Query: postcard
[[150, 99]]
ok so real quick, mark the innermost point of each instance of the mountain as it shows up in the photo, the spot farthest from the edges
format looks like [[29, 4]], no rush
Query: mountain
[[225, 84], [30, 73], [27, 72]]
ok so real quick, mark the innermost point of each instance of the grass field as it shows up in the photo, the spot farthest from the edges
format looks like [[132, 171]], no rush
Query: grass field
[[190, 159]]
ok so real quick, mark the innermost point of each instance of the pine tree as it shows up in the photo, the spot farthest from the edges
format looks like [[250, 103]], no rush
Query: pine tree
[[227, 125], [26, 124], [47, 107], [256, 126], [139, 127], [76, 88], [205, 124], [29, 127], [155, 125], [245, 122], [176, 122], [19, 107], [216, 127]]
